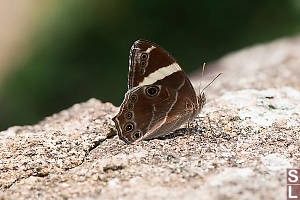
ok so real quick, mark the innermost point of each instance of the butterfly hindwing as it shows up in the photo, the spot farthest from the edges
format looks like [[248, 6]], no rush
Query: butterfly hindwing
[[149, 111]]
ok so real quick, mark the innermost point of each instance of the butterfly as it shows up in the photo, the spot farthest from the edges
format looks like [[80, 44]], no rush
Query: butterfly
[[160, 96]]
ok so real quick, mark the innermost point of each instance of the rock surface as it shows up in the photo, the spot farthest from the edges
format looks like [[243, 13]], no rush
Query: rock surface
[[239, 146]]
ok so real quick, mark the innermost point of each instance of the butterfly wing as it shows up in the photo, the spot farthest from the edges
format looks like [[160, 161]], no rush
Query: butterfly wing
[[160, 96], [150, 63], [151, 111]]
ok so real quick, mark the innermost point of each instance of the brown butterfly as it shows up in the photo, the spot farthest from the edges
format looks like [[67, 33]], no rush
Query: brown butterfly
[[160, 97]]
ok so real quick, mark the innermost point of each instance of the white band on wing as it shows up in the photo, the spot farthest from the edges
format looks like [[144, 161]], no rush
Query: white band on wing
[[160, 74], [150, 49]]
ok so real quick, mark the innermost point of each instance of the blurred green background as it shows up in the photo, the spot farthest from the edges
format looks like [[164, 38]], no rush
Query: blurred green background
[[76, 50]]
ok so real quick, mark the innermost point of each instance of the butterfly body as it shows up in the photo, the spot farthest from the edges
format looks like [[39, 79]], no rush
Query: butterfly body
[[160, 96]]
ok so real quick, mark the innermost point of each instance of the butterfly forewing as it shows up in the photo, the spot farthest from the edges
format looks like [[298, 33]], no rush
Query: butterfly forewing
[[146, 58]]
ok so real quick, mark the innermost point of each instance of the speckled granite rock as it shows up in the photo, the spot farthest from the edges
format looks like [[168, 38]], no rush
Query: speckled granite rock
[[239, 146]]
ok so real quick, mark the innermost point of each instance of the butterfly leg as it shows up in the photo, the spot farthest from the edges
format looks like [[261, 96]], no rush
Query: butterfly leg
[[210, 127]]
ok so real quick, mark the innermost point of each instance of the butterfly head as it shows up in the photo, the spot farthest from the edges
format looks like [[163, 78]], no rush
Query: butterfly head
[[201, 99]]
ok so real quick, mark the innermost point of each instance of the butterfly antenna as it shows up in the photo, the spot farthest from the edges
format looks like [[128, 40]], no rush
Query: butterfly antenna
[[211, 82], [203, 68]]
